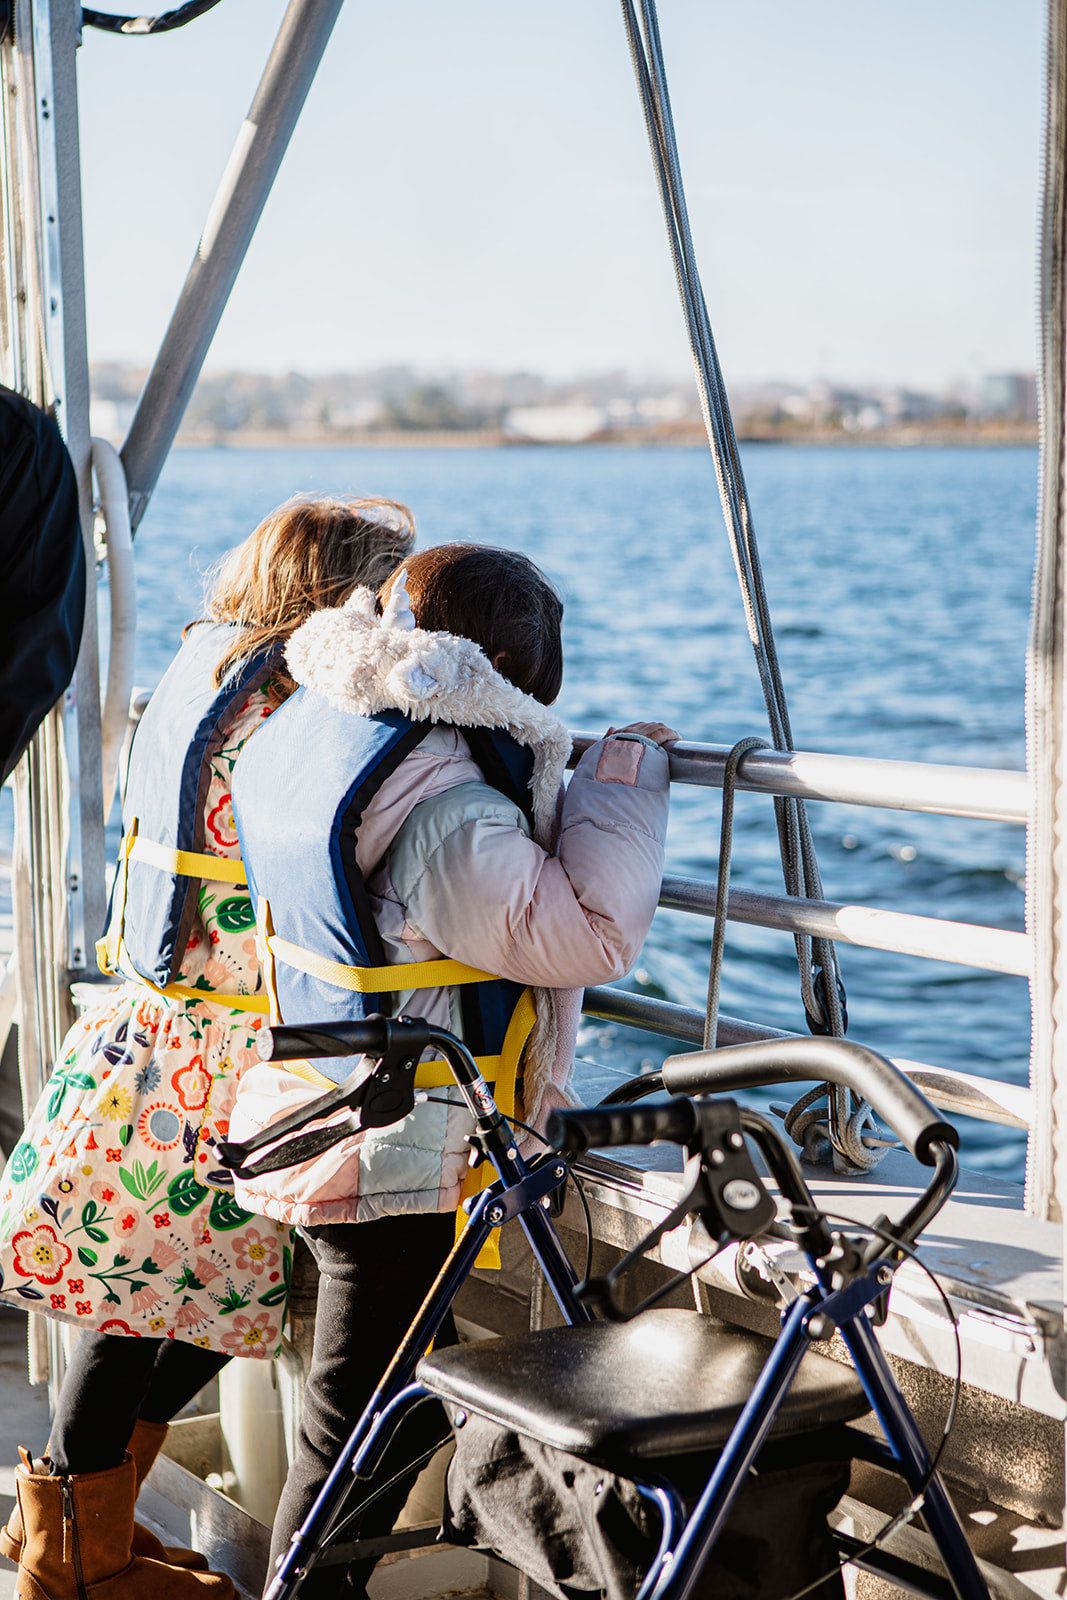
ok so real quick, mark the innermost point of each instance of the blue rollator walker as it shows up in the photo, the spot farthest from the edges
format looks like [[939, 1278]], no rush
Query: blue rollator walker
[[670, 1415]]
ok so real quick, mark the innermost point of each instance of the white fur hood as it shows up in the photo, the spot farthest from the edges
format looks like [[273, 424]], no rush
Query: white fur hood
[[364, 663]]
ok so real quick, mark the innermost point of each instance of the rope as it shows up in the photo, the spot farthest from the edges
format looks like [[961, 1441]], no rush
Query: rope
[[164, 23], [820, 980], [862, 1143], [722, 891]]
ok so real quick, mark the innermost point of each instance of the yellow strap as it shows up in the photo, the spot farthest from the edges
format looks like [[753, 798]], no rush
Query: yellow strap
[[107, 948], [265, 952], [111, 951], [212, 997], [519, 1029], [181, 991], [375, 980], [500, 1072], [428, 1074], [189, 863]]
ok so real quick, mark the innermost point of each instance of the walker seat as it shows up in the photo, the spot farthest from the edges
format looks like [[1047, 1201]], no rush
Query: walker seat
[[666, 1384]]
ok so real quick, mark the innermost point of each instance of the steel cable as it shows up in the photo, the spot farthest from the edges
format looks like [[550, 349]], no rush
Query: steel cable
[[820, 981]]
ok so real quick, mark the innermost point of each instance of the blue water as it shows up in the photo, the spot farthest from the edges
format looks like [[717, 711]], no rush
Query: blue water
[[899, 586]]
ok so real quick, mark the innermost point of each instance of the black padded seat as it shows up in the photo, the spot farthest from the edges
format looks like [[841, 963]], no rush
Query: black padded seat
[[667, 1383]]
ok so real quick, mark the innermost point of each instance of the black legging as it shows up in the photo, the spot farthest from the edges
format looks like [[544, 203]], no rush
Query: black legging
[[373, 1278], [111, 1381]]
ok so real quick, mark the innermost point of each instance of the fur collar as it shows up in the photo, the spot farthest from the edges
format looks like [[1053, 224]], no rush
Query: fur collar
[[363, 665]]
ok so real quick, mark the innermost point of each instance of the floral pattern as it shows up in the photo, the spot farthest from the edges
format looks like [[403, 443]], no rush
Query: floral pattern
[[114, 1213], [40, 1255]]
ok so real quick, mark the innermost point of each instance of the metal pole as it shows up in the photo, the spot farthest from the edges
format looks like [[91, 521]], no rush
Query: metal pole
[[1046, 694], [58, 28], [58, 888], [235, 211]]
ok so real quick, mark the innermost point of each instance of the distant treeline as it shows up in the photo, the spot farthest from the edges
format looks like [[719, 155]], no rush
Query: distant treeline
[[402, 400]]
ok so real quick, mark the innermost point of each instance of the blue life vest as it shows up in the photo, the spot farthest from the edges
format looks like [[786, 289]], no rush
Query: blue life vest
[[162, 861], [300, 790]]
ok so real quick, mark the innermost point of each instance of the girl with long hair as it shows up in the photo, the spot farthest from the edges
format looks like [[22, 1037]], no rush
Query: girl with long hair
[[114, 1216]]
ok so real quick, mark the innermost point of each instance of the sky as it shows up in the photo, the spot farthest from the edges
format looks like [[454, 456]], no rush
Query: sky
[[470, 187]]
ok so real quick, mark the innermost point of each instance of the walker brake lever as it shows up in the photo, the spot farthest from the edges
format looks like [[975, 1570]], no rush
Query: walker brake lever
[[376, 1099]]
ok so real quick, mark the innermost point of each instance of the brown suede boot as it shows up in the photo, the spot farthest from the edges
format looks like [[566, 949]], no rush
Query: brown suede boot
[[77, 1534], [146, 1441]]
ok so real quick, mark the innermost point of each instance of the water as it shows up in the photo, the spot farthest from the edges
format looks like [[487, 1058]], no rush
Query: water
[[899, 586]]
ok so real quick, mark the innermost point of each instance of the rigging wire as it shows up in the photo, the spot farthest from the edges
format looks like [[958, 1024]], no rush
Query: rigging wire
[[164, 23], [820, 980]]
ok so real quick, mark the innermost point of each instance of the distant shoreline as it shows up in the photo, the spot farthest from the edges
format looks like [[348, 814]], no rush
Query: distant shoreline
[[905, 435]]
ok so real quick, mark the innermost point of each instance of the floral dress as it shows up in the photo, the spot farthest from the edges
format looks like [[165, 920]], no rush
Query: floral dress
[[114, 1213]]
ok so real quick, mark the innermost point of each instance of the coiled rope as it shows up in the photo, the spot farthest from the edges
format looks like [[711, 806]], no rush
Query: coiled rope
[[820, 980]]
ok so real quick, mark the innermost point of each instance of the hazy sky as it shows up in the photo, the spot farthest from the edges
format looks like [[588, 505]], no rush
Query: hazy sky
[[470, 185]]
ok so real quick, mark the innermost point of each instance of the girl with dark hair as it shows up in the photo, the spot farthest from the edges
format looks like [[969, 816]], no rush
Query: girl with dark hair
[[404, 830]]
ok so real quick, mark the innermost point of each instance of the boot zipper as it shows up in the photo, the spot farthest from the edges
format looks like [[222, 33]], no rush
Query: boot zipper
[[68, 1521]]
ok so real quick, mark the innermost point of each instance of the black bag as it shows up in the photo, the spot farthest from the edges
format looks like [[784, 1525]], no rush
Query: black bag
[[42, 561], [580, 1531]]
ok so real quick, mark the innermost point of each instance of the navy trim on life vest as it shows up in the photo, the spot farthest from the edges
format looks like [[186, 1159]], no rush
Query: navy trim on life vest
[[506, 766]]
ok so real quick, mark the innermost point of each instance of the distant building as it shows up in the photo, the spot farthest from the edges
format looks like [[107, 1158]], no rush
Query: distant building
[[563, 424], [1010, 396]]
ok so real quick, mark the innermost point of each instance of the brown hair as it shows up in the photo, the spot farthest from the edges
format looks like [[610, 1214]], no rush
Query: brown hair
[[500, 600], [310, 552]]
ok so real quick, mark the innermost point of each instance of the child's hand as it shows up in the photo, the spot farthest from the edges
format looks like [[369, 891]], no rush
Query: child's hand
[[658, 732]]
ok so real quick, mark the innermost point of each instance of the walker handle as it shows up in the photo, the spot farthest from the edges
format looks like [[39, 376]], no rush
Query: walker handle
[[842, 1061], [599, 1127], [375, 1035]]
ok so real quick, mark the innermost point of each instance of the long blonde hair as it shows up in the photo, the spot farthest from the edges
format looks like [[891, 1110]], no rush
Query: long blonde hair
[[310, 552]]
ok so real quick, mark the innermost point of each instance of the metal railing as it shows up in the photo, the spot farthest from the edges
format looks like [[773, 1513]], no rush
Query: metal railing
[[970, 792], [986, 793]]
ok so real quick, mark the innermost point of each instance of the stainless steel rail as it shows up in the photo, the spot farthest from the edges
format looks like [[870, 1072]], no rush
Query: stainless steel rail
[[981, 792], [969, 945], [958, 1093]]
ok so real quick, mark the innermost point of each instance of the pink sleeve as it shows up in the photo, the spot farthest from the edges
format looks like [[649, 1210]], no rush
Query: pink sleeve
[[491, 897]]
